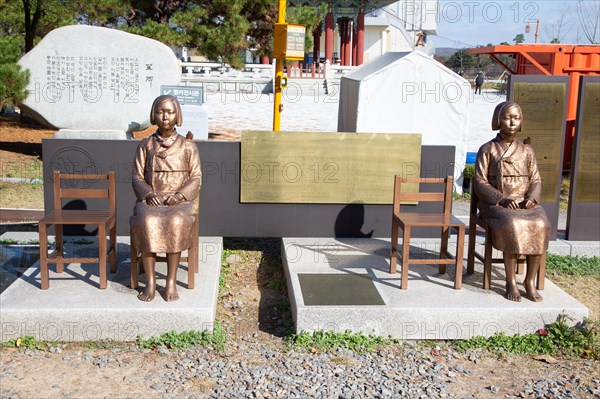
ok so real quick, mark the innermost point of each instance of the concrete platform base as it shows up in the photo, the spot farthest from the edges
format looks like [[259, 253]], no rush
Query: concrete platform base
[[75, 309], [344, 284]]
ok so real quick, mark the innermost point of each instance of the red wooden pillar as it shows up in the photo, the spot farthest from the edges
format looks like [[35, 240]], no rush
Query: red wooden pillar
[[360, 38], [348, 48], [342, 25], [329, 36], [354, 43], [317, 44]]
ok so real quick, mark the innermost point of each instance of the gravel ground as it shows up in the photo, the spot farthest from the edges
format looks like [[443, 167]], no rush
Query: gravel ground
[[250, 370]]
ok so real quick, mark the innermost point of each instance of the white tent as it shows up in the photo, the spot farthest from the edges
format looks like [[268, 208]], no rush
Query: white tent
[[409, 93]]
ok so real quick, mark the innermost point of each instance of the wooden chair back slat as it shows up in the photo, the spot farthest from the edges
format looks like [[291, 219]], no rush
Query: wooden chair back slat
[[420, 179], [444, 196], [79, 176], [426, 197], [61, 193], [83, 193]]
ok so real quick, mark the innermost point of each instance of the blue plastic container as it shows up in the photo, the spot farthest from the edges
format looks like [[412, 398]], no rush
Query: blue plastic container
[[471, 156]]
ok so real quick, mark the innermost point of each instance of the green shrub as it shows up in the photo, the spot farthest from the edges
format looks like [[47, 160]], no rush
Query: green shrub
[[469, 171]]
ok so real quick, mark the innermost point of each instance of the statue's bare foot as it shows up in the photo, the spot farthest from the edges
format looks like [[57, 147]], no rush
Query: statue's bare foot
[[171, 292], [532, 292], [512, 292], [148, 294]]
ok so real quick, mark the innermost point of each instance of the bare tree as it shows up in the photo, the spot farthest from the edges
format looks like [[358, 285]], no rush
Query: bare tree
[[589, 19], [555, 30]]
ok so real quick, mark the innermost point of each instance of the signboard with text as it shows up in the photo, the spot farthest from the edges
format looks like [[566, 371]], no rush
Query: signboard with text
[[195, 117], [184, 94], [289, 41]]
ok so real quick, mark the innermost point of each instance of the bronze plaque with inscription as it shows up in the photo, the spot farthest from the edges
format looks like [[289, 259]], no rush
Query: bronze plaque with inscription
[[588, 165], [326, 168], [544, 112]]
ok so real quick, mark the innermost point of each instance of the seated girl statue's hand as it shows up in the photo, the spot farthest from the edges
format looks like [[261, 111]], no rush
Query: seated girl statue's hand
[[154, 200], [509, 203], [174, 199], [527, 203]]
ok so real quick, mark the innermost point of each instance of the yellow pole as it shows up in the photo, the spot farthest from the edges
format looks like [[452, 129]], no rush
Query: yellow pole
[[277, 105]]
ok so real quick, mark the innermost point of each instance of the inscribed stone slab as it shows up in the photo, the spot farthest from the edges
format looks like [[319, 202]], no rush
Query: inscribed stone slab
[[92, 78]]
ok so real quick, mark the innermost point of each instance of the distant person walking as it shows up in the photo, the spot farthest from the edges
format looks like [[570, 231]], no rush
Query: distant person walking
[[478, 82]]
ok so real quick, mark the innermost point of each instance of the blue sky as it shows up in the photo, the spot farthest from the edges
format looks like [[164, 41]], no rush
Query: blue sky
[[465, 23]]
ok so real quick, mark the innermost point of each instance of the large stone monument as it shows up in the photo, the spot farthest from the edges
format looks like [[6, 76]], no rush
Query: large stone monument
[[93, 82]]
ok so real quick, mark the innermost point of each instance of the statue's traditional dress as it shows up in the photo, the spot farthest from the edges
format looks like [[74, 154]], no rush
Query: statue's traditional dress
[[510, 171], [165, 170]]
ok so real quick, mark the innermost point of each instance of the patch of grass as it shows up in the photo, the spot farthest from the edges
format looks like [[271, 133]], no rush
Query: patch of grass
[[573, 265], [182, 340], [557, 338], [26, 342], [565, 187], [26, 169], [325, 341], [277, 284], [11, 241], [225, 269], [21, 195], [464, 197], [102, 344]]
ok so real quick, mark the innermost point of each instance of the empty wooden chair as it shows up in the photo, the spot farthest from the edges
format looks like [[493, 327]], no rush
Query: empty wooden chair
[[407, 220], [104, 219]]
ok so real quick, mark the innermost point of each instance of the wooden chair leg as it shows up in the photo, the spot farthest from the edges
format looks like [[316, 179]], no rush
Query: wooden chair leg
[[192, 258], [44, 278], [541, 275], [471, 249], [197, 259], [460, 247], [487, 263], [58, 238], [394, 251], [405, 256], [113, 248], [520, 264], [102, 254], [444, 248], [133, 267]]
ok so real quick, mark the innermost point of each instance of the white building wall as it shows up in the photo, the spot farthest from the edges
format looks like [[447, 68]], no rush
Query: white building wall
[[373, 42]]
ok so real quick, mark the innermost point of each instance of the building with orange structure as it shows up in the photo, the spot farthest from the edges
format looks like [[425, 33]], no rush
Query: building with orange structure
[[552, 60]]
